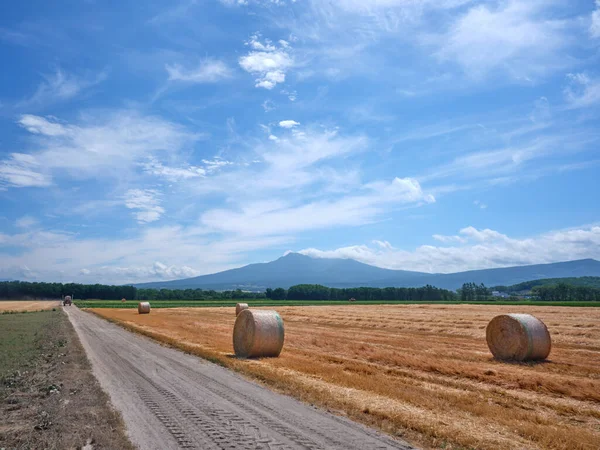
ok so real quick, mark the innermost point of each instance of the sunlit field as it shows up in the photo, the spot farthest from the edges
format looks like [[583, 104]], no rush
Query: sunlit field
[[24, 305], [420, 371]]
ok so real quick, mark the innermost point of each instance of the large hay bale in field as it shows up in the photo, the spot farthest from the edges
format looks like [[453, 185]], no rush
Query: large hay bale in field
[[240, 307], [143, 308], [519, 337], [258, 333]]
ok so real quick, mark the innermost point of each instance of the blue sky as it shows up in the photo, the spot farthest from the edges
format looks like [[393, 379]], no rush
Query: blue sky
[[156, 140]]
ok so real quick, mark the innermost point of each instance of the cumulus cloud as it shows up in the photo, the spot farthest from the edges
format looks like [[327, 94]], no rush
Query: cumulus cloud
[[209, 71], [476, 249], [165, 252], [146, 203], [268, 62], [288, 124]]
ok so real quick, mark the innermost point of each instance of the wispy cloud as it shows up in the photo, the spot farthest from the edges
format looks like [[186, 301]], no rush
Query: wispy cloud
[[208, 71], [267, 61], [582, 90], [100, 146], [514, 37], [476, 249], [22, 170], [146, 203], [60, 86], [595, 21]]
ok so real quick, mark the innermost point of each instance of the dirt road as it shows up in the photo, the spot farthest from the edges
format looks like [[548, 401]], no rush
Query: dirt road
[[171, 400]]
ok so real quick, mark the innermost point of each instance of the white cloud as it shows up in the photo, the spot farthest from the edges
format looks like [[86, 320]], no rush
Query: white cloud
[[25, 222], [282, 218], [156, 253], [267, 62], [514, 36], [61, 86], [155, 167], [146, 202], [288, 124], [22, 170], [209, 71], [99, 147], [480, 204], [477, 249], [268, 105], [595, 21], [582, 91]]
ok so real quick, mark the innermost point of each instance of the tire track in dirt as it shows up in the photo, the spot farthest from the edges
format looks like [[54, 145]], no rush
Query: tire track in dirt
[[171, 400]]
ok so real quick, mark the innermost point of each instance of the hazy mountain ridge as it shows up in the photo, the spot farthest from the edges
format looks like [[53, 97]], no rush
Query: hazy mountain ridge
[[295, 268]]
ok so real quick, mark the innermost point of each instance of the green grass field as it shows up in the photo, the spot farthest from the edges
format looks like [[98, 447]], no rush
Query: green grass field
[[257, 303]]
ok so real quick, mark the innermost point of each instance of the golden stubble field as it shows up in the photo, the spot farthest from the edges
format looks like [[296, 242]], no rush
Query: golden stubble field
[[25, 305], [420, 371]]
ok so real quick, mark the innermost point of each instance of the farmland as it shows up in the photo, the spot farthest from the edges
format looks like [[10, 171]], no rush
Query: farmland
[[26, 305], [421, 371], [263, 303]]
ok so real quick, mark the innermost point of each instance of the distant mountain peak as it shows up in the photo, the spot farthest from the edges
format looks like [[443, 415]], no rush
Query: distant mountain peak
[[296, 268]]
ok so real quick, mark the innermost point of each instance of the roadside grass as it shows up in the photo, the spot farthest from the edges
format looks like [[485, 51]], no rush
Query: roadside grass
[[21, 340], [265, 303], [43, 368]]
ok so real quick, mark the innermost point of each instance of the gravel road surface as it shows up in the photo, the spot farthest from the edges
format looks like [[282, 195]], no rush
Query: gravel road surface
[[170, 400]]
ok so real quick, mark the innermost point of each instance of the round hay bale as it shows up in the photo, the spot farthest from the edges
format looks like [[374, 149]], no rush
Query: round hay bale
[[240, 307], [258, 333], [519, 337], [143, 308]]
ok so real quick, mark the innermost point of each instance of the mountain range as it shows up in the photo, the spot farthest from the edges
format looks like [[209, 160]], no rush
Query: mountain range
[[295, 268]]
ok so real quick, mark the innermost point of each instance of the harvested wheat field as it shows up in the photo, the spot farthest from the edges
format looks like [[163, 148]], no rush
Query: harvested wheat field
[[420, 371], [24, 305]]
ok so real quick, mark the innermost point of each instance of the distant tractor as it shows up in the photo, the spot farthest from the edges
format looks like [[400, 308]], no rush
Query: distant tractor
[[352, 299], [123, 300], [67, 301]]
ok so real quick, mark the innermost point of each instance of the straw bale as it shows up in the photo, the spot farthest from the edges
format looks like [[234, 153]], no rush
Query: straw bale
[[144, 308], [240, 307], [519, 337], [258, 333]]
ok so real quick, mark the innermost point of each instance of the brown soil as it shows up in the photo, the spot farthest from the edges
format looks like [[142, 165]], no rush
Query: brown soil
[[53, 401], [26, 305], [421, 371]]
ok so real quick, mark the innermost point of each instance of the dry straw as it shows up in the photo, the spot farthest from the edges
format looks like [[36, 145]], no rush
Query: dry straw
[[518, 337], [258, 333], [144, 308], [240, 307]]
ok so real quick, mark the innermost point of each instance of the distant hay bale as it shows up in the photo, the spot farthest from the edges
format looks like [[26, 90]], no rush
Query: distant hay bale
[[519, 337], [143, 308], [258, 333], [240, 307]]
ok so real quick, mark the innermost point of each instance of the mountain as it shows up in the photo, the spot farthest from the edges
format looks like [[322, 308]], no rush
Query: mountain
[[295, 268], [291, 269]]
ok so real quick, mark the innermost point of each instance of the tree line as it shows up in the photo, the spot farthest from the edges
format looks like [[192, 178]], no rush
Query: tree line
[[24, 289], [469, 292], [319, 292], [472, 292], [563, 292]]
